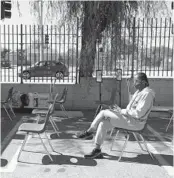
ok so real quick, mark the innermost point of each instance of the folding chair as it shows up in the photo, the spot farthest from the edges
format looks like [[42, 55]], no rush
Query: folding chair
[[8, 103], [40, 112], [170, 111], [36, 128], [135, 133], [62, 100]]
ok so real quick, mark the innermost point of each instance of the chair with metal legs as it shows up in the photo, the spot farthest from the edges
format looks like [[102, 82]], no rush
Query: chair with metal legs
[[169, 120], [8, 103], [36, 128], [43, 112], [135, 133], [62, 100]]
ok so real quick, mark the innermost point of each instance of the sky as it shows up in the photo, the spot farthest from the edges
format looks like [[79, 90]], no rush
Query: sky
[[26, 17]]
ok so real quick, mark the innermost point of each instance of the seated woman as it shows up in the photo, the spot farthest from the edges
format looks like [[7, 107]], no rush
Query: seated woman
[[133, 117]]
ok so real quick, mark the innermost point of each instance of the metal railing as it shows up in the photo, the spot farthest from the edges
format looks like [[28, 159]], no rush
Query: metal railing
[[39, 54], [145, 45]]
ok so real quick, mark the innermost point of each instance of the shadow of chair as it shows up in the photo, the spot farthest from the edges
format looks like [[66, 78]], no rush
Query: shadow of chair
[[134, 133], [8, 103], [36, 128]]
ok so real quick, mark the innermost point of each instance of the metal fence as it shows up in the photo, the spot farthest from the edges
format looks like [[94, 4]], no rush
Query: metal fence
[[27, 52], [145, 45], [39, 54]]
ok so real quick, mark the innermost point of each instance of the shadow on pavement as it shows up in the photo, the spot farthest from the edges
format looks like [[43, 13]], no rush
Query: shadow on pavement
[[68, 160], [142, 159], [4, 162]]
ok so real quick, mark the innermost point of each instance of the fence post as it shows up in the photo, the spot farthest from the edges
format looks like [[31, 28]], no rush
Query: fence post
[[133, 28], [21, 54], [77, 51]]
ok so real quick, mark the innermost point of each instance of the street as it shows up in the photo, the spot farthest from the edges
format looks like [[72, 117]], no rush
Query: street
[[11, 76]]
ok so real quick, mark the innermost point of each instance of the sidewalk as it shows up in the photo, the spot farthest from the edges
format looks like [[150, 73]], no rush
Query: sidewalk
[[71, 163]]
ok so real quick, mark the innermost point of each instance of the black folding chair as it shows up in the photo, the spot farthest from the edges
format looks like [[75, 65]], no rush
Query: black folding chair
[[8, 103], [62, 100]]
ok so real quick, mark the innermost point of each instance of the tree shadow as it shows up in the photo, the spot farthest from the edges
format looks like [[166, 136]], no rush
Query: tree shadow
[[4, 162], [68, 160], [143, 159]]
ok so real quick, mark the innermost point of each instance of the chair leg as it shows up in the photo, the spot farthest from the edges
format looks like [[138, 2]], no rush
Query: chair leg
[[12, 110], [63, 109], [138, 141], [7, 112], [114, 139], [169, 123], [124, 146], [49, 142], [111, 132], [54, 126], [23, 144], [45, 148], [145, 144]]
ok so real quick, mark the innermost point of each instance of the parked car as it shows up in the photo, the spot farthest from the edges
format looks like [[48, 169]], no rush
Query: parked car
[[5, 64], [46, 69]]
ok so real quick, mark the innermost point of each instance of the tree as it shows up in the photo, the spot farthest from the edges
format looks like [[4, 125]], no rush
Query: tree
[[95, 17]]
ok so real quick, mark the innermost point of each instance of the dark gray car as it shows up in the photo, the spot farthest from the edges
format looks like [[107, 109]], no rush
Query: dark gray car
[[46, 69]]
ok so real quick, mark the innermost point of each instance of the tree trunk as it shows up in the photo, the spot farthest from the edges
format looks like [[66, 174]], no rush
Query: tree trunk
[[89, 39]]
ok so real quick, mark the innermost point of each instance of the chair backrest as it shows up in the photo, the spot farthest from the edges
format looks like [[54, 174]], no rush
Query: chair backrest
[[51, 110], [10, 94], [64, 94]]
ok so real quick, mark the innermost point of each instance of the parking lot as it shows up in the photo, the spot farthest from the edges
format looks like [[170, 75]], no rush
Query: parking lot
[[70, 163]]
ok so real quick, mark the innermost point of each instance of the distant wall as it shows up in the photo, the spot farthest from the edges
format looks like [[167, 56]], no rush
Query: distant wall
[[85, 94]]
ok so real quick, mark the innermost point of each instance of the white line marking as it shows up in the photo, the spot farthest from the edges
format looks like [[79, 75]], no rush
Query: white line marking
[[169, 169], [12, 164], [159, 137]]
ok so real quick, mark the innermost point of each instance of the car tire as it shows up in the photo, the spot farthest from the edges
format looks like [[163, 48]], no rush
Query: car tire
[[59, 75], [26, 75]]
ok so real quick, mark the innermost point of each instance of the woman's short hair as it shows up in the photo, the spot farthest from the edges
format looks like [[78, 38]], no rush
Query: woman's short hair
[[143, 77]]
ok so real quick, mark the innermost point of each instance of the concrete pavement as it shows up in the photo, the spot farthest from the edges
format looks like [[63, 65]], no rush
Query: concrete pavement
[[134, 164]]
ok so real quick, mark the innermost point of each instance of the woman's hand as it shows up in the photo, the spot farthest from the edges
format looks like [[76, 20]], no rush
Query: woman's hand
[[124, 112]]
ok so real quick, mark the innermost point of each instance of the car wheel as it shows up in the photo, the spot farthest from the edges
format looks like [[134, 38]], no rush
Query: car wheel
[[59, 75], [26, 75]]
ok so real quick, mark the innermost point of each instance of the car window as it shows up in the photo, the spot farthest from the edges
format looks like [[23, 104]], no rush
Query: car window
[[59, 63], [42, 63], [51, 63]]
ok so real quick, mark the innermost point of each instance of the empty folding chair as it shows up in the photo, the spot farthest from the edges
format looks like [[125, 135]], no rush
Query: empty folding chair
[[36, 128], [8, 103], [40, 112], [62, 100]]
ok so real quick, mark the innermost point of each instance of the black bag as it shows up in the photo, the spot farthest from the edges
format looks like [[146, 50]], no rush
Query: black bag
[[24, 100]]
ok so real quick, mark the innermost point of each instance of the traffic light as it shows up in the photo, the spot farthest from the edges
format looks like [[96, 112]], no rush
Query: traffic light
[[6, 9], [46, 39]]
